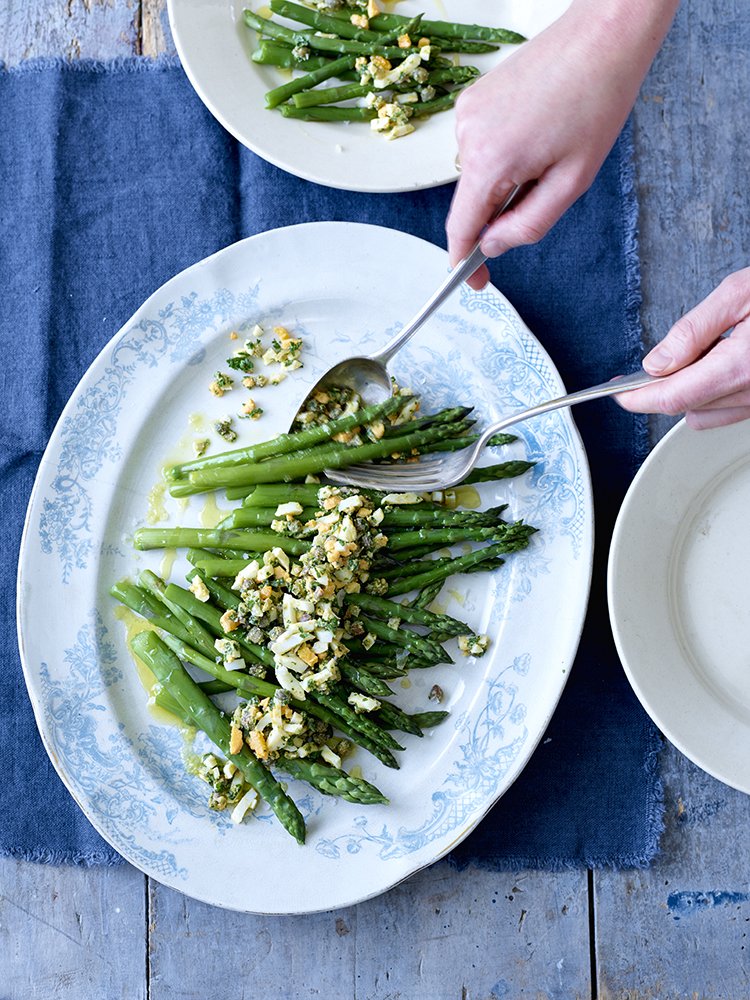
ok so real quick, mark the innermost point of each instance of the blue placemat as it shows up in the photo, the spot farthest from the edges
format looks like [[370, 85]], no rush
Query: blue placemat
[[114, 179]]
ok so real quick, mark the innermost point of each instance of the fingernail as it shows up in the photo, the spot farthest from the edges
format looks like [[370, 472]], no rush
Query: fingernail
[[492, 248], [658, 360]]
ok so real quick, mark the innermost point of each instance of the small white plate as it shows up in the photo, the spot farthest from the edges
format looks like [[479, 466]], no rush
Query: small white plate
[[679, 595], [142, 402], [215, 45]]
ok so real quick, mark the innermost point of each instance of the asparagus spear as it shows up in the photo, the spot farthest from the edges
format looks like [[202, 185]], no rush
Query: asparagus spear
[[167, 668], [390, 609], [427, 595], [332, 781], [450, 29], [262, 517], [334, 68], [462, 45], [213, 687], [450, 415], [215, 566], [515, 539], [328, 113], [357, 721], [323, 22], [393, 717], [418, 644], [365, 681], [395, 517], [504, 470], [343, 46], [272, 494], [418, 566], [311, 461], [277, 54], [426, 720], [295, 441], [331, 95], [198, 636], [438, 537], [379, 668], [212, 538]]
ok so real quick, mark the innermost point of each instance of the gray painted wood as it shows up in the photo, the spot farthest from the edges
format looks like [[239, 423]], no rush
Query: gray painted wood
[[71, 933], [682, 928], [89, 29], [442, 935], [691, 163], [676, 930]]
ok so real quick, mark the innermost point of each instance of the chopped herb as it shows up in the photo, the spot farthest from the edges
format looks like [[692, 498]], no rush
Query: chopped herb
[[224, 429], [241, 362]]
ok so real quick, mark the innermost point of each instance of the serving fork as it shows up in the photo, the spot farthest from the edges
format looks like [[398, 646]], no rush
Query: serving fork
[[451, 469]]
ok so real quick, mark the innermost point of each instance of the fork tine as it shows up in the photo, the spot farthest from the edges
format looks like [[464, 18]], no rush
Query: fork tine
[[414, 477], [397, 473]]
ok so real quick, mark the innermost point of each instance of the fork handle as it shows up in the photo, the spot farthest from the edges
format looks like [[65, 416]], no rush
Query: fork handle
[[463, 270], [626, 383]]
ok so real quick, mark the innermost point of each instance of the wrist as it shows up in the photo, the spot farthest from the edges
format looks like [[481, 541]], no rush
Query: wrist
[[631, 30]]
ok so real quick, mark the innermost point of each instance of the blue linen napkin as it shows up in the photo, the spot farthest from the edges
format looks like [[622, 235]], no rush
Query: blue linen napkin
[[114, 179]]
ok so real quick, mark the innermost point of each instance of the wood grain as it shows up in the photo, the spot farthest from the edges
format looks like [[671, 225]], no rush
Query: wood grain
[[692, 177], [677, 930], [442, 935], [73, 29], [682, 928], [156, 38], [71, 932]]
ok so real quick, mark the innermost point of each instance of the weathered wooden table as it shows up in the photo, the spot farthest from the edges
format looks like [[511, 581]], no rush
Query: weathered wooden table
[[677, 930]]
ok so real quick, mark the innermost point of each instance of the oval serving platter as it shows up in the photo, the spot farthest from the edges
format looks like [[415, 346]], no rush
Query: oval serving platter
[[140, 405]]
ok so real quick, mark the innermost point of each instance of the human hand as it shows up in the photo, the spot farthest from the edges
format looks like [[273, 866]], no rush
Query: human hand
[[711, 380], [549, 114]]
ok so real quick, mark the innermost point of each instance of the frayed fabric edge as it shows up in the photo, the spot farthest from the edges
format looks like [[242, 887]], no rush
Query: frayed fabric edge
[[122, 64], [632, 270], [82, 859], [618, 862]]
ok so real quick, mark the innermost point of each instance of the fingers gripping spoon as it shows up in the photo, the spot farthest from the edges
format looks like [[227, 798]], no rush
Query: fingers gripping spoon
[[368, 375]]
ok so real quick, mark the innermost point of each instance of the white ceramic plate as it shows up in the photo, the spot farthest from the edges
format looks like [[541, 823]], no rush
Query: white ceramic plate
[[679, 595], [214, 46], [135, 408]]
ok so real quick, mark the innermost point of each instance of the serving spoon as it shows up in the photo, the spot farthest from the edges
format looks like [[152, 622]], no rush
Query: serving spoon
[[368, 374]]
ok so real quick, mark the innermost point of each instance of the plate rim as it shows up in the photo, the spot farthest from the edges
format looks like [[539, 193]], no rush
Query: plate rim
[[617, 547], [47, 458], [277, 161], [439, 175]]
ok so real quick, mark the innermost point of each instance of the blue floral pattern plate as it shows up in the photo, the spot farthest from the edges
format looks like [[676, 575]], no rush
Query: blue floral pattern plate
[[140, 406]]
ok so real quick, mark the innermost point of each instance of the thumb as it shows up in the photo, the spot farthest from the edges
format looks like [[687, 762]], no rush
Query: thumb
[[698, 329]]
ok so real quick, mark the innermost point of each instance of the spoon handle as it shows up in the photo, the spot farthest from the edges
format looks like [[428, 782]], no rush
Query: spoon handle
[[463, 270]]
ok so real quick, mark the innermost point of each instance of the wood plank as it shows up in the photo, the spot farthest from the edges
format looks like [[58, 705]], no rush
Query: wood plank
[[156, 38], [442, 935], [71, 933], [695, 214], [88, 29], [680, 929]]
